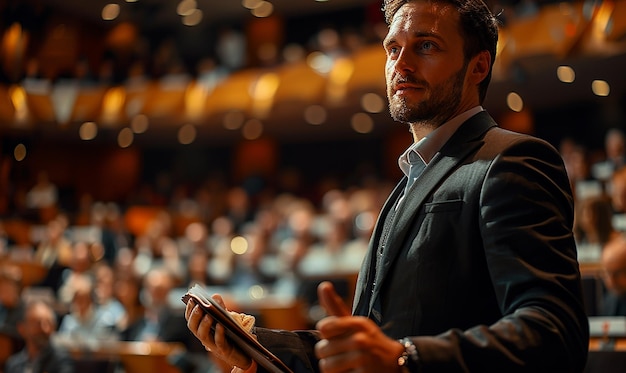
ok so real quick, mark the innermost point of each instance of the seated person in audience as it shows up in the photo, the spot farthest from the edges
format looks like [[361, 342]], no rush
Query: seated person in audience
[[6, 241], [79, 269], [110, 307], [618, 191], [153, 293], [156, 248], [614, 276], [11, 304], [54, 251], [39, 355], [197, 268], [84, 323], [11, 310], [593, 226], [615, 154], [127, 290], [160, 320]]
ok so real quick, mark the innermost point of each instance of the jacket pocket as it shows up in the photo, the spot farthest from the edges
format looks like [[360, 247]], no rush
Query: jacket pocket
[[443, 206]]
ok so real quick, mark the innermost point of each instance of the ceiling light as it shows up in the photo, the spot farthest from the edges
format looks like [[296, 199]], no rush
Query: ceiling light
[[315, 114], [372, 103], [187, 134], [253, 129], [110, 12], [125, 138], [263, 93], [319, 62], [239, 245], [17, 94], [63, 98], [112, 104], [515, 102], [193, 19], [251, 4], [88, 131], [566, 74], [19, 153], [265, 9], [233, 120], [186, 7], [140, 123], [362, 123], [600, 88]]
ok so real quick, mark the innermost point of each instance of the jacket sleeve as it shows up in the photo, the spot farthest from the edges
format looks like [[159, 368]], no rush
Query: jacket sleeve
[[295, 349], [525, 219]]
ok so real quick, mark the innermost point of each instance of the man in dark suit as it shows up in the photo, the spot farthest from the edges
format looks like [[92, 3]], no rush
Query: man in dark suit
[[472, 265]]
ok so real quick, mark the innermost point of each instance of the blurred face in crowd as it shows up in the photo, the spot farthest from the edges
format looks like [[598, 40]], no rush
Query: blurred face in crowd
[[157, 284], [429, 80], [104, 284], [38, 325], [618, 191], [9, 292], [614, 266], [615, 145], [126, 290]]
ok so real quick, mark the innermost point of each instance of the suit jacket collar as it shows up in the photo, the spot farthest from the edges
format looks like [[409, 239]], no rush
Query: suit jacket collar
[[464, 141]]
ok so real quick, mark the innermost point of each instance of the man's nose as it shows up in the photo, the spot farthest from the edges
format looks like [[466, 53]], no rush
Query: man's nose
[[405, 61]]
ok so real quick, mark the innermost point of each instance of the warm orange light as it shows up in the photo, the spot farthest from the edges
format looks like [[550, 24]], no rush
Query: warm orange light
[[113, 103]]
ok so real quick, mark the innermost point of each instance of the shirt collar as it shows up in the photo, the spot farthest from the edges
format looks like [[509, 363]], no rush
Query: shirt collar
[[430, 144]]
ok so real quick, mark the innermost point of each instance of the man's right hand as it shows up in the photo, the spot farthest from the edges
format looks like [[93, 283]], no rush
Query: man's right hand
[[200, 325]]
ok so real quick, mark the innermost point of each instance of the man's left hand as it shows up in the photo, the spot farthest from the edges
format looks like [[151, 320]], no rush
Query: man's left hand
[[352, 343]]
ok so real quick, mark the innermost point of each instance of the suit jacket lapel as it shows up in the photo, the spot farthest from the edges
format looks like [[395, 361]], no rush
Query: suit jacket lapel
[[463, 142], [368, 271]]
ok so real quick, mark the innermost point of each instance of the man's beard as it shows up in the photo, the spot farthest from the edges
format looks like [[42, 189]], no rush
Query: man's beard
[[434, 111]]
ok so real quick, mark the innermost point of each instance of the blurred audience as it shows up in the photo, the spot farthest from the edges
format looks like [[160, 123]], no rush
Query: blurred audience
[[11, 304], [218, 235], [614, 276], [54, 251], [221, 259], [161, 320], [157, 248], [43, 196], [127, 290], [85, 325], [614, 155], [593, 227], [111, 309], [77, 272], [37, 326], [55, 248]]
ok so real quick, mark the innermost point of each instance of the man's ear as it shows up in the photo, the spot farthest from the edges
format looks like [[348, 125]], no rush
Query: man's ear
[[479, 67]]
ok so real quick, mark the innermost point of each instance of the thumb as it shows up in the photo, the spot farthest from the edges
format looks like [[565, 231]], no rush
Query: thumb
[[219, 300], [331, 301]]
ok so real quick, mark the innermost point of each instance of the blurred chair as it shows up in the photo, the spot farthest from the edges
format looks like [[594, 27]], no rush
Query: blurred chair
[[138, 357]]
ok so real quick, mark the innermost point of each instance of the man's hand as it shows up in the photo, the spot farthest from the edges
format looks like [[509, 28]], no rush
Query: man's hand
[[352, 343], [200, 325]]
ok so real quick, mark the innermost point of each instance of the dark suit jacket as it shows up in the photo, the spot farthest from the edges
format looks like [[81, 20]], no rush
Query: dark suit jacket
[[480, 267]]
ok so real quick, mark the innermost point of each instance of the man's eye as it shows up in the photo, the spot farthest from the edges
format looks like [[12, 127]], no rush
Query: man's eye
[[426, 46]]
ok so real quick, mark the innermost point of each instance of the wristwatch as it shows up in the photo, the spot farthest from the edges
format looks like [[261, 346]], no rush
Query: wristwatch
[[409, 360]]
